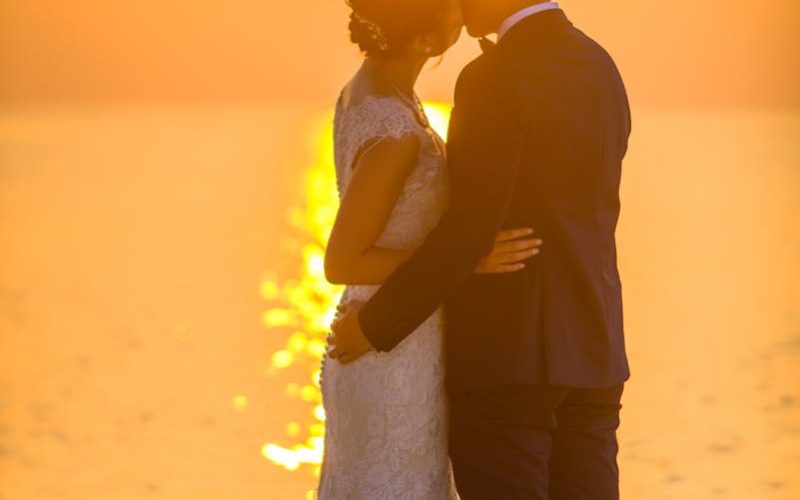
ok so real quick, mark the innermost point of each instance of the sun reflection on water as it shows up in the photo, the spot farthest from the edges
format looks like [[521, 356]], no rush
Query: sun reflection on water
[[307, 305]]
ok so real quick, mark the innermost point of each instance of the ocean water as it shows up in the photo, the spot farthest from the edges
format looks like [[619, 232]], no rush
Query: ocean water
[[133, 241]]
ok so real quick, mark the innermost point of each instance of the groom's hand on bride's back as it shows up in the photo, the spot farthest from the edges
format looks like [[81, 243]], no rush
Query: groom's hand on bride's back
[[511, 248]]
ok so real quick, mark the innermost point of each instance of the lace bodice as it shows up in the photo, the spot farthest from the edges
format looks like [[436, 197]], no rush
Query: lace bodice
[[386, 424], [425, 193]]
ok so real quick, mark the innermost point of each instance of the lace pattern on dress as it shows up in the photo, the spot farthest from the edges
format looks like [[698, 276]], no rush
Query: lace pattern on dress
[[386, 431]]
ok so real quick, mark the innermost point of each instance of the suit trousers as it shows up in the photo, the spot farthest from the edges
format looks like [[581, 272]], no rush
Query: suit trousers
[[533, 442]]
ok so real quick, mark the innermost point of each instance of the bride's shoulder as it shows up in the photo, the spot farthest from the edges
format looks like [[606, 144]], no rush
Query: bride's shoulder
[[365, 108], [363, 93], [377, 112], [375, 108]]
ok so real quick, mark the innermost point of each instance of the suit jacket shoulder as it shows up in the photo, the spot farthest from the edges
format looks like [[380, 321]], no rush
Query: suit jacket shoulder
[[483, 83]]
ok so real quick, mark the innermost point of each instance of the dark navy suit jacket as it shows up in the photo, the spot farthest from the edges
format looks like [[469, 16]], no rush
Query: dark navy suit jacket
[[537, 137]]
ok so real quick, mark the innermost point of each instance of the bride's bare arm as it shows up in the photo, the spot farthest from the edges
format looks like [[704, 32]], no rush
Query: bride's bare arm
[[377, 181], [353, 258]]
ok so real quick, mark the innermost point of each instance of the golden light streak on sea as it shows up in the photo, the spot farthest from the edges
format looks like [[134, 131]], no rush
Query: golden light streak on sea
[[307, 304]]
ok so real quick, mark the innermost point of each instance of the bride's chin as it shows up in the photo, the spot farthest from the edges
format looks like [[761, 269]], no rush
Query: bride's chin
[[476, 31]]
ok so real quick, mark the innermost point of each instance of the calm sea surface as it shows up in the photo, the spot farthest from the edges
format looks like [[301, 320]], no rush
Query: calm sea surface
[[133, 242]]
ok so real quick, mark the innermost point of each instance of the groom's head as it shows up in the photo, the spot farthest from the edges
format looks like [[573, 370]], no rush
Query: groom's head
[[483, 17]]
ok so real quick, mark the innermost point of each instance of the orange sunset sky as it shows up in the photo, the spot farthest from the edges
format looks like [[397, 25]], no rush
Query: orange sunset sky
[[715, 53], [167, 182]]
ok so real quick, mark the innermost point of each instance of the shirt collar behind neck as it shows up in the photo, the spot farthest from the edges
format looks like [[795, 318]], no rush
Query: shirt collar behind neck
[[522, 14]]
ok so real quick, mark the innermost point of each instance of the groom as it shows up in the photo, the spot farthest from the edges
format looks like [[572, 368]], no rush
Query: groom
[[536, 359]]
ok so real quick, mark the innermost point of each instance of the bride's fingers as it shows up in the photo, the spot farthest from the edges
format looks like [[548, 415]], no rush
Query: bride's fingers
[[512, 234], [515, 257], [516, 246], [505, 263], [504, 269]]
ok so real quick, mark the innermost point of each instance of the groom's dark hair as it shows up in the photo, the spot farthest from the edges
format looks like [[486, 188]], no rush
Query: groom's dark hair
[[381, 28]]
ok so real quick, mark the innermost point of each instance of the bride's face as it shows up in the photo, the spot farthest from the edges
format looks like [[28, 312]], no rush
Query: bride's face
[[481, 16], [451, 26]]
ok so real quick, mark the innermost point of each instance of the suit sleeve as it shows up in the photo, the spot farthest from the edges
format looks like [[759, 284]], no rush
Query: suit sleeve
[[484, 150]]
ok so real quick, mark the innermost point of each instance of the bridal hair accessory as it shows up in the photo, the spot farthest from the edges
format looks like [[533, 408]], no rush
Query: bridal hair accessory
[[377, 33]]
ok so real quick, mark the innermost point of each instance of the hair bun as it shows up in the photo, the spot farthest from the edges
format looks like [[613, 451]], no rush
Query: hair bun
[[368, 35], [383, 27]]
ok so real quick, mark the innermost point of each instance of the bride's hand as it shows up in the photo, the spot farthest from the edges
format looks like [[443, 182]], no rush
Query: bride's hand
[[511, 248]]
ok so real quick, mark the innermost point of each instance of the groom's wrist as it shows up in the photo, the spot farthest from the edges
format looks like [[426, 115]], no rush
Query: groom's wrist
[[380, 336], [367, 331]]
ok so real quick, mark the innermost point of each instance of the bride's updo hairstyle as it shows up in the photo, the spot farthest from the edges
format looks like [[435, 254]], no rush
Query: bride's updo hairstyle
[[383, 28]]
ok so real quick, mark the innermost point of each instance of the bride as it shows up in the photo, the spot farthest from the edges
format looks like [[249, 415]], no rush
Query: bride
[[386, 425]]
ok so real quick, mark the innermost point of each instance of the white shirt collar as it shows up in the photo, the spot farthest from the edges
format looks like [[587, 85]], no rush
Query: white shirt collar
[[519, 16]]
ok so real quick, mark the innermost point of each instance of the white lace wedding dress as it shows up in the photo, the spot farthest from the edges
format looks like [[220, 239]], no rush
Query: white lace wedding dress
[[386, 421]]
